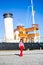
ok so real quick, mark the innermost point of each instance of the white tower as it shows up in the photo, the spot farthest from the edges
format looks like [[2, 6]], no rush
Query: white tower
[[8, 21]]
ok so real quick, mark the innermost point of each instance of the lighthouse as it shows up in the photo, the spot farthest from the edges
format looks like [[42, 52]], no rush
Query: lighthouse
[[8, 23]]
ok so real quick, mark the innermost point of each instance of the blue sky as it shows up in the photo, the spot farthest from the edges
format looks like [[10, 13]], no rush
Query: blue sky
[[21, 13]]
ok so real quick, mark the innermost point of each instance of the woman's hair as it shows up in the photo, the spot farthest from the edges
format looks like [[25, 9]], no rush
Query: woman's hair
[[21, 40]]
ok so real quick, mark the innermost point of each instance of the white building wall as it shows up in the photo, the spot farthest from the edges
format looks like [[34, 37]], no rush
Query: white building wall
[[16, 36]]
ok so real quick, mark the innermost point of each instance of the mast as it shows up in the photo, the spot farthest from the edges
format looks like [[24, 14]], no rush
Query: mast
[[33, 19], [33, 12]]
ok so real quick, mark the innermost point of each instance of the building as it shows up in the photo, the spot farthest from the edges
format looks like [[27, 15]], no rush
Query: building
[[27, 34]]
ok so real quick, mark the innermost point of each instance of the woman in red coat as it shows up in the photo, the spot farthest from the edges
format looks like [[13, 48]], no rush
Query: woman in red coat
[[21, 46]]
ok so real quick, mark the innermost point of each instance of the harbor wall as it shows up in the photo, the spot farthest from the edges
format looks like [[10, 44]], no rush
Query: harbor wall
[[14, 46]]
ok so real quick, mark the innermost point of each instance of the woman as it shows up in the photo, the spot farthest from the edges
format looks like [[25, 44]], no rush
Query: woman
[[21, 46]]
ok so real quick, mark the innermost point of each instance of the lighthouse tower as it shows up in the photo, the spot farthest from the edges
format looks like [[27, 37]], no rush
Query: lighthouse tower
[[8, 22]]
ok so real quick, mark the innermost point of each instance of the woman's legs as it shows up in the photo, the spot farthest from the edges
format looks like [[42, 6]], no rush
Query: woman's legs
[[21, 50]]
